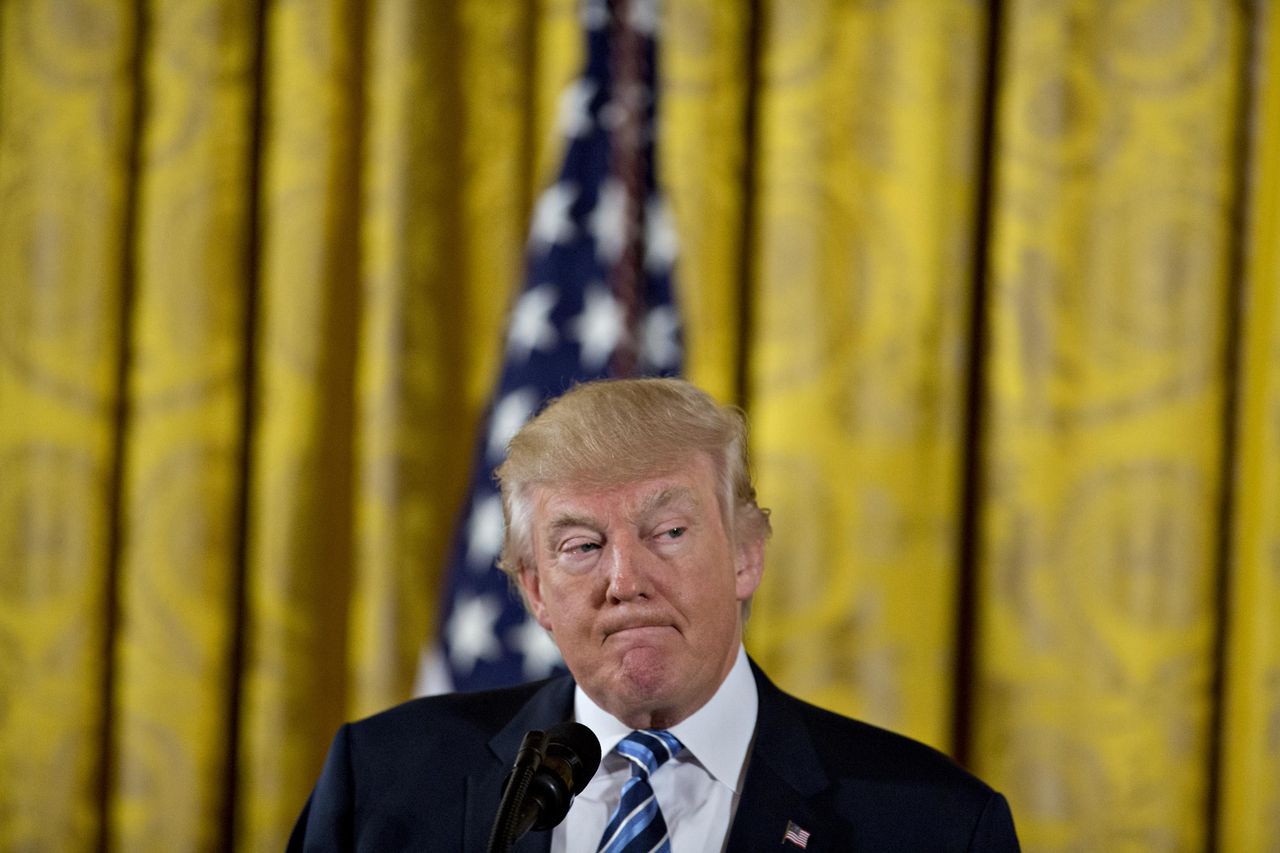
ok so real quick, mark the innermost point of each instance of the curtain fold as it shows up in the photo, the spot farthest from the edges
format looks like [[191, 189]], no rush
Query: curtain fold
[[707, 59], [299, 568], [858, 356], [1115, 155], [183, 432], [997, 285], [1250, 722], [67, 107]]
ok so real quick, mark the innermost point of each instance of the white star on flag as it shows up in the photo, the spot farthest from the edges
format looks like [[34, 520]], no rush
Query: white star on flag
[[531, 326], [644, 16], [659, 347], [595, 14], [536, 647], [599, 328], [484, 533], [660, 237], [551, 223], [470, 632], [608, 221], [508, 416], [573, 116], [612, 115]]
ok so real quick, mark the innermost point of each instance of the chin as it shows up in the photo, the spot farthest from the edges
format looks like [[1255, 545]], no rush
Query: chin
[[646, 681], [646, 665]]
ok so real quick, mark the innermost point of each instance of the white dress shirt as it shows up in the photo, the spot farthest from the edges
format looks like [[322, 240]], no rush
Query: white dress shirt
[[698, 790]]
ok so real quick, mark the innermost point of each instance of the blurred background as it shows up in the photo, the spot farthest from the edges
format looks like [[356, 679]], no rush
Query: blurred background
[[997, 283]]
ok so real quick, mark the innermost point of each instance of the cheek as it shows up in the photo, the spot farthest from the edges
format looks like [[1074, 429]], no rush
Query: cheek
[[564, 606]]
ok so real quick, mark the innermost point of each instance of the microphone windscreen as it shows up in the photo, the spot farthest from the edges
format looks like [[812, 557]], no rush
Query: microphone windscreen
[[578, 746]]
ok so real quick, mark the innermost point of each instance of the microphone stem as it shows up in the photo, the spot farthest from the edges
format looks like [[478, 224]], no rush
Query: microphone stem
[[513, 810]]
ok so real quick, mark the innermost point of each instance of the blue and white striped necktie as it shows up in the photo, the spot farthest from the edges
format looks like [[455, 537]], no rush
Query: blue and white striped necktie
[[637, 823]]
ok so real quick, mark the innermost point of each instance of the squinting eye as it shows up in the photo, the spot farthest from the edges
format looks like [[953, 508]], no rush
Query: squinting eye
[[579, 548], [674, 532]]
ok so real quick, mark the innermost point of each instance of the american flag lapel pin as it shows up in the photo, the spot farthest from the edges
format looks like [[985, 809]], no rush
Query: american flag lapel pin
[[795, 835]]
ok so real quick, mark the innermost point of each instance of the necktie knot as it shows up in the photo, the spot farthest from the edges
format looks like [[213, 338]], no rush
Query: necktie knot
[[648, 750]]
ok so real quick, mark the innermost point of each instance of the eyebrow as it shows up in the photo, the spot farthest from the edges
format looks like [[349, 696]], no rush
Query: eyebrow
[[649, 504], [567, 520]]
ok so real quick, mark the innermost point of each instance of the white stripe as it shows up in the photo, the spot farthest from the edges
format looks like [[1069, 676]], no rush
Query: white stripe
[[626, 820], [661, 841]]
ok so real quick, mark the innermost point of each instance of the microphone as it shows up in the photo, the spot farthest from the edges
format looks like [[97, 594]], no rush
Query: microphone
[[569, 760], [550, 769]]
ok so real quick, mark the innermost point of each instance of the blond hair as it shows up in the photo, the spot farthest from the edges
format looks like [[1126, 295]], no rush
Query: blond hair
[[610, 432]]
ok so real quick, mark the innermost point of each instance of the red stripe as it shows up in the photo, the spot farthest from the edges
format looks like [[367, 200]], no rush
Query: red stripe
[[628, 150]]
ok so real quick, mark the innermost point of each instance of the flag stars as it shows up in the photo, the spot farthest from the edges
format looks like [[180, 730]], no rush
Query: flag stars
[[508, 416], [484, 532], [608, 220], [574, 116], [531, 326], [660, 347], [567, 324], [551, 223], [644, 16], [539, 651], [660, 236], [627, 103], [599, 328], [595, 14], [612, 115], [471, 632]]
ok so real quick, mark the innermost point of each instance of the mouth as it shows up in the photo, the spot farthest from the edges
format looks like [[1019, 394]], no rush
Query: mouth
[[639, 631]]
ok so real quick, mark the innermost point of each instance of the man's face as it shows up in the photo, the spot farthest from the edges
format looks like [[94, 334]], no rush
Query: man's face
[[641, 587]]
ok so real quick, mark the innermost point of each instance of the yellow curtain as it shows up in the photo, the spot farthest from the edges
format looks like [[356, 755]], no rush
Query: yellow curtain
[[998, 285]]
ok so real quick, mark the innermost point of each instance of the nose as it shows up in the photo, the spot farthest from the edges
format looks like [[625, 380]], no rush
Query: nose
[[628, 578]]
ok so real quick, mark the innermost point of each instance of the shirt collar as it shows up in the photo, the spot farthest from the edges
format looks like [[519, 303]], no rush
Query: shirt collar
[[718, 734]]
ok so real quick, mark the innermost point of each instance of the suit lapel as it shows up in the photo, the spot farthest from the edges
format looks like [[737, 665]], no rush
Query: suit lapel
[[550, 705], [770, 805], [783, 778]]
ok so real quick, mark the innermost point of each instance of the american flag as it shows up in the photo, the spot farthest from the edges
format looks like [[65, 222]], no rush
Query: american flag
[[795, 835], [596, 302]]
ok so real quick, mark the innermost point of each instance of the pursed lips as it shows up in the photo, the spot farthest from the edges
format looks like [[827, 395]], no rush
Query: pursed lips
[[632, 627]]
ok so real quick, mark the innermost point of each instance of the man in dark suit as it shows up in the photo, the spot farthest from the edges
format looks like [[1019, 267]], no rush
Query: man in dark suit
[[634, 535]]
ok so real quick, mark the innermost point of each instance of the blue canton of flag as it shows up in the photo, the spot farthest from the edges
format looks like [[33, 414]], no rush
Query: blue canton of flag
[[596, 302]]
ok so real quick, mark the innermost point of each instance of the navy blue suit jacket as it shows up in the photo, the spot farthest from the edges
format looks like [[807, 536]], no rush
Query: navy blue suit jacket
[[426, 775]]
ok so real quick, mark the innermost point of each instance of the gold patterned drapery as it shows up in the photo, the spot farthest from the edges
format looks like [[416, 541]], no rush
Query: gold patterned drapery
[[998, 283]]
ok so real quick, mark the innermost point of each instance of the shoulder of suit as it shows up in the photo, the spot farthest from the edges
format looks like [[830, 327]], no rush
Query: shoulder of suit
[[483, 710]]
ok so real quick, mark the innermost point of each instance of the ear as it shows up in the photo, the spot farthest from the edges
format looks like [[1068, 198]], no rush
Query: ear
[[532, 586], [748, 567]]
